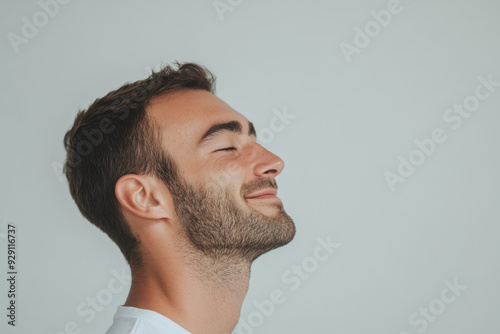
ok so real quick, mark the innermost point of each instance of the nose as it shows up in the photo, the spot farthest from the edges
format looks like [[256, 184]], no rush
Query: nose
[[267, 163]]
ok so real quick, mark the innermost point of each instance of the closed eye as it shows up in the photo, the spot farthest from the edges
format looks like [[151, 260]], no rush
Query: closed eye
[[227, 149]]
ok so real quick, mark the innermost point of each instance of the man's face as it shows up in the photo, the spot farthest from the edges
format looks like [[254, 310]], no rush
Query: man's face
[[217, 173]]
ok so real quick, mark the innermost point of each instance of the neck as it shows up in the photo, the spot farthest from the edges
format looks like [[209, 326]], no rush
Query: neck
[[202, 293]]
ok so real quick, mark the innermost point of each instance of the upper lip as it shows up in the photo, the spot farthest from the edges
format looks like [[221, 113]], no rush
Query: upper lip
[[263, 192]]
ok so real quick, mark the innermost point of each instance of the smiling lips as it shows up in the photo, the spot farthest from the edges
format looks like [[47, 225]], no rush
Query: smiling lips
[[269, 193]]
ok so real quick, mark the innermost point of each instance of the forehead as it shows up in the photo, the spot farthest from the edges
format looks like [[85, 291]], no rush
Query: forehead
[[185, 115]]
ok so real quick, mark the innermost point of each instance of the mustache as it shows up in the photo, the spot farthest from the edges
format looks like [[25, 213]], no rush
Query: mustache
[[258, 184]]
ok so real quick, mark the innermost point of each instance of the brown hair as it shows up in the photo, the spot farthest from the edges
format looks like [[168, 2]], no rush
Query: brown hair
[[115, 137]]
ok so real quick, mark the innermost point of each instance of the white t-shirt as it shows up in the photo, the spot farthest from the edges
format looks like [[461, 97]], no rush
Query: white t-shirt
[[133, 320]]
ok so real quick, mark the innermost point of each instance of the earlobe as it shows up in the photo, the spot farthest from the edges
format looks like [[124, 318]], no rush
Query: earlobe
[[142, 197]]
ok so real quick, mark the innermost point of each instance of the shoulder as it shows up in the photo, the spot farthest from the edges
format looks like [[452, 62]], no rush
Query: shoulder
[[131, 320]]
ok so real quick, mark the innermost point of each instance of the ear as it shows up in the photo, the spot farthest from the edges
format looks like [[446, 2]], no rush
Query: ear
[[144, 196]]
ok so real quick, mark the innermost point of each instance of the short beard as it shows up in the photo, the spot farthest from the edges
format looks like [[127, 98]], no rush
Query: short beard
[[223, 228]]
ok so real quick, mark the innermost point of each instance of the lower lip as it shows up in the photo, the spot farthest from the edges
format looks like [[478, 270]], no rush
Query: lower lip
[[264, 197]]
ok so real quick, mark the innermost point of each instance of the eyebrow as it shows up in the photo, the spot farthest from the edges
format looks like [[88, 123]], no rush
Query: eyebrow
[[233, 126]]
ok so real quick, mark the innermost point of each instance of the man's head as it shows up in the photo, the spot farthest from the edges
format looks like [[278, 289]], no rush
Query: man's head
[[167, 150]]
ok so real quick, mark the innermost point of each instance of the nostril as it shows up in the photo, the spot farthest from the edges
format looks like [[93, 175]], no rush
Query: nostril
[[271, 171]]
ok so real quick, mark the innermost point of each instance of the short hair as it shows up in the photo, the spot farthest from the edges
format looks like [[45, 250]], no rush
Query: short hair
[[115, 137]]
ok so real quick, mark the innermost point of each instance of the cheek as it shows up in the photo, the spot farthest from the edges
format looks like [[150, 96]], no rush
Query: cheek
[[228, 172], [232, 168]]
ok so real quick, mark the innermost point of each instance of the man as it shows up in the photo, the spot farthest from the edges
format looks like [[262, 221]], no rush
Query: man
[[176, 178]]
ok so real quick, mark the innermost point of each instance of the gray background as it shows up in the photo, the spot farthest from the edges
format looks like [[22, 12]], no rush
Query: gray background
[[352, 122]]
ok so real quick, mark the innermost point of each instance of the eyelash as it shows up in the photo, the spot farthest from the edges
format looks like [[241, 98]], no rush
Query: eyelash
[[227, 149]]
